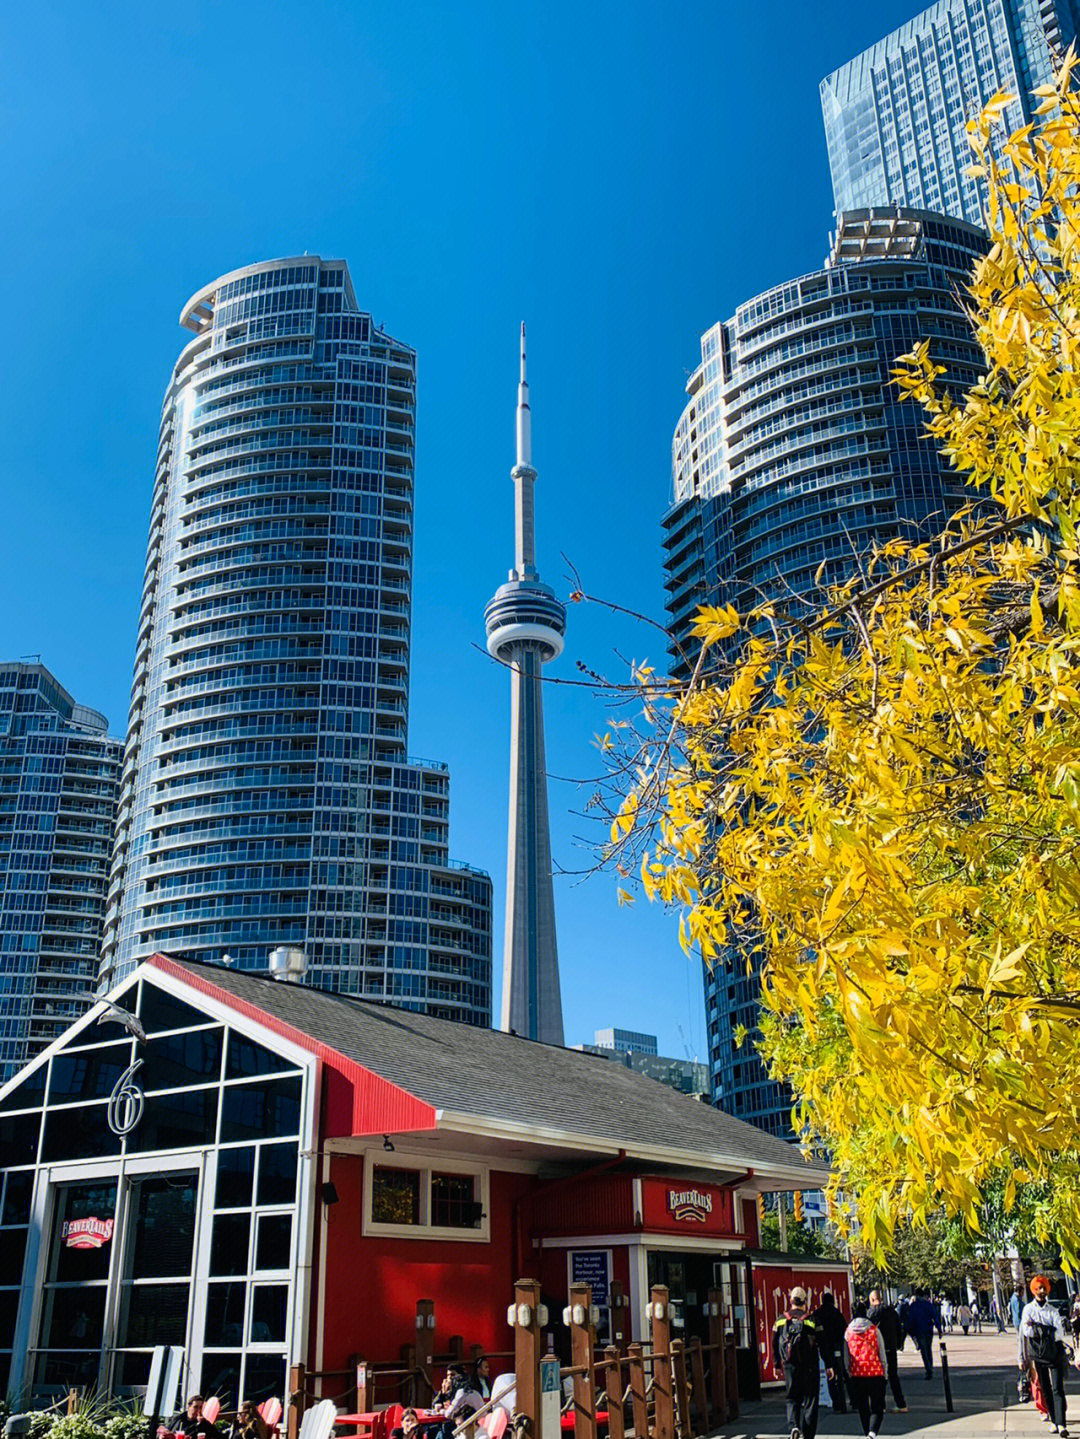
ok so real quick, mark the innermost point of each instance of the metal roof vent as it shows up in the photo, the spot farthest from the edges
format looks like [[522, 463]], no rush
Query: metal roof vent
[[288, 963]]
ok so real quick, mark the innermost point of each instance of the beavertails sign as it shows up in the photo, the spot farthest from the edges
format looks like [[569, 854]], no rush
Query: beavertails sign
[[89, 1233], [689, 1204], [681, 1206]]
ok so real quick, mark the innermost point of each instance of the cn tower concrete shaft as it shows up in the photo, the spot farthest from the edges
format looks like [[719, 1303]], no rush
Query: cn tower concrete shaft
[[525, 627]]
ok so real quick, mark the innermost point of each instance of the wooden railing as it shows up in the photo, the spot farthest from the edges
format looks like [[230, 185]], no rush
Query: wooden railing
[[658, 1388]]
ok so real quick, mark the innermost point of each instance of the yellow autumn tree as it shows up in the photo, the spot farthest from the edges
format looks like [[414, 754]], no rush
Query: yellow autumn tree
[[883, 802]]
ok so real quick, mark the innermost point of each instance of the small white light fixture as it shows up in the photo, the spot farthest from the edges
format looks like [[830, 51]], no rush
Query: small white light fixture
[[567, 1316], [579, 1314], [431, 1321], [524, 1316], [542, 1315], [419, 1321], [511, 1316], [658, 1310], [594, 1314]]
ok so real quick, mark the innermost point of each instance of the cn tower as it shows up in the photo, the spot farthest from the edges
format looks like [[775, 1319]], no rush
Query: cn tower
[[525, 627]]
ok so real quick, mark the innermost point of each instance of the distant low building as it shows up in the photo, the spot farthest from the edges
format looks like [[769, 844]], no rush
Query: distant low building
[[628, 1040], [685, 1075]]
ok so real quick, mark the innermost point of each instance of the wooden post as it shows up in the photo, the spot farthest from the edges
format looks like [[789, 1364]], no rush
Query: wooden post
[[663, 1395], [731, 1373], [362, 1387], [638, 1391], [680, 1389], [527, 1351], [717, 1360], [425, 1340], [701, 1394], [582, 1344], [72, 1402], [620, 1329], [613, 1388], [297, 1399]]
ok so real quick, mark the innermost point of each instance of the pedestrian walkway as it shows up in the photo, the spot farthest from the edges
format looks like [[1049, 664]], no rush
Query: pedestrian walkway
[[982, 1369]]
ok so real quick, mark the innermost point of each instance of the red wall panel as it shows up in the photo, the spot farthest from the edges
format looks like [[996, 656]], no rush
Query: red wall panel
[[597, 1204], [773, 1283], [372, 1284]]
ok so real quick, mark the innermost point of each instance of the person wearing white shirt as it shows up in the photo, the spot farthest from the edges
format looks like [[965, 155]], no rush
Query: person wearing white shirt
[[1042, 1346]]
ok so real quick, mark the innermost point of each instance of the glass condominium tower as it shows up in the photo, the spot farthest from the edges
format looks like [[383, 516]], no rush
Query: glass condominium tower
[[59, 777], [266, 797], [895, 116], [794, 448]]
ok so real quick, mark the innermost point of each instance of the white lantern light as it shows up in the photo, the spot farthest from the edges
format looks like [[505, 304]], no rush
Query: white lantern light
[[542, 1315], [566, 1316], [511, 1316], [431, 1321], [579, 1314], [524, 1316]]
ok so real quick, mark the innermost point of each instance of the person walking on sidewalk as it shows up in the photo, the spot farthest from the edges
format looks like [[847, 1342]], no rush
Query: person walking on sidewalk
[[865, 1360], [1042, 1345], [922, 1319], [830, 1324], [795, 1351], [887, 1322]]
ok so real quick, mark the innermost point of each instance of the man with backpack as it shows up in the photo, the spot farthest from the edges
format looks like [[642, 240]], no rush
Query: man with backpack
[[1042, 1345], [795, 1351], [865, 1357]]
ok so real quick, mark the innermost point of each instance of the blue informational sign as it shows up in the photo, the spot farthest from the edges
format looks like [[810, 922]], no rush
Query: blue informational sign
[[592, 1266]]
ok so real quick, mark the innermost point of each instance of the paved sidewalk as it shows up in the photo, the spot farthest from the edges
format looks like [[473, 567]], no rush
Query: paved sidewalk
[[983, 1371]]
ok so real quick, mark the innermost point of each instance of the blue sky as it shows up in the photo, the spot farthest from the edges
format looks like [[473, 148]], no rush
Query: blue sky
[[619, 176]]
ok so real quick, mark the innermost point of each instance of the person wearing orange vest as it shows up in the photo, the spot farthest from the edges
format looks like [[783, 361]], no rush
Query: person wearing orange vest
[[867, 1362]]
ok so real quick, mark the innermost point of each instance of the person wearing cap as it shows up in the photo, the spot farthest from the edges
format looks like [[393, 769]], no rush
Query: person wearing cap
[[795, 1352], [1042, 1347]]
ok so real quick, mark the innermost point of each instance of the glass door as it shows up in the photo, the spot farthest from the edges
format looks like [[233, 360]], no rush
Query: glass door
[[155, 1279], [76, 1289]]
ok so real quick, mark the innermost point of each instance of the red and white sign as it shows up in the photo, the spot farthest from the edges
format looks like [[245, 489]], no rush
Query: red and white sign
[[89, 1233], [692, 1204]]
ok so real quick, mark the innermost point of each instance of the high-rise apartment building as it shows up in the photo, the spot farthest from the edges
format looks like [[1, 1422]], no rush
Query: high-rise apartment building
[[895, 116], [267, 798], [795, 449], [59, 777]]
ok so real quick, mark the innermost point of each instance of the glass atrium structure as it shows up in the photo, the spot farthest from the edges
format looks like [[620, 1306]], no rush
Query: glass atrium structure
[[267, 798], [795, 448], [59, 775], [895, 115]]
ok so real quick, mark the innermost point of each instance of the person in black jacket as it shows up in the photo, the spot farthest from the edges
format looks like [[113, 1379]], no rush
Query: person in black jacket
[[795, 1352], [830, 1324], [892, 1332]]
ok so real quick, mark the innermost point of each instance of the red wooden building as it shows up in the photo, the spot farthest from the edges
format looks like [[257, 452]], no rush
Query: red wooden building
[[283, 1173]]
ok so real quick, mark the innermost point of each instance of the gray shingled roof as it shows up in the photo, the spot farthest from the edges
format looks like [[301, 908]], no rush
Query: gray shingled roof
[[505, 1078]]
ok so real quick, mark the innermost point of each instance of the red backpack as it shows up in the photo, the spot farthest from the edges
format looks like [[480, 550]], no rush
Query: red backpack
[[863, 1348]]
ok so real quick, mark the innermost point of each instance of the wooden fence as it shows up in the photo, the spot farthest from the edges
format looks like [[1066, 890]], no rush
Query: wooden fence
[[660, 1388]]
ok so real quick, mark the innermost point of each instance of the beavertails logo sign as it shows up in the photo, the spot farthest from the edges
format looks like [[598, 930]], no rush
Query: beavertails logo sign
[[86, 1233], [689, 1204]]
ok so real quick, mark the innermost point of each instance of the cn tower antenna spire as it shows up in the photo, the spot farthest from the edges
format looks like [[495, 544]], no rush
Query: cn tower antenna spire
[[525, 626]]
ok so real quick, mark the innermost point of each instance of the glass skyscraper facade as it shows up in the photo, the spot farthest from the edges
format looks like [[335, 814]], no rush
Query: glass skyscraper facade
[[267, 798], [59, 777], [895, 115], [795, 448]]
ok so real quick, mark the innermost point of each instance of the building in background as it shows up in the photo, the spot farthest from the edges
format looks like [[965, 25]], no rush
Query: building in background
[[267, 798], [525, 624], [793, 455], [59, 777], [895, 116], [685, 1075], [628, 1040]]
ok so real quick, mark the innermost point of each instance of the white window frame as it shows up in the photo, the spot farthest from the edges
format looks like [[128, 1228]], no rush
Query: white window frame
[[427, 1165]]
